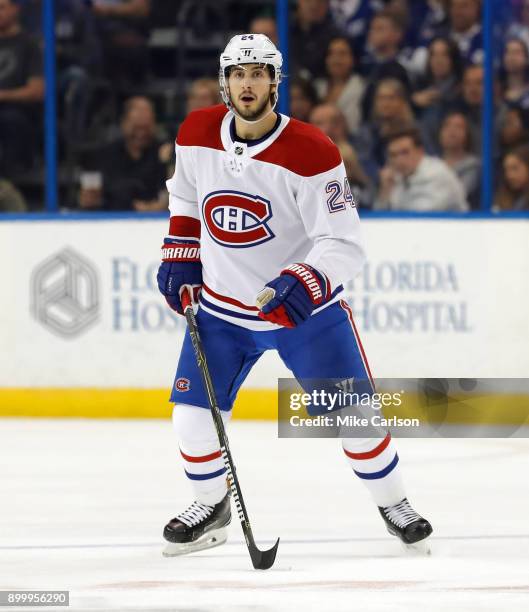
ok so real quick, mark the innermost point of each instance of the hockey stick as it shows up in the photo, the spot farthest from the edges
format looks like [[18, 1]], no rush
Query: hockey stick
[[261, 559]]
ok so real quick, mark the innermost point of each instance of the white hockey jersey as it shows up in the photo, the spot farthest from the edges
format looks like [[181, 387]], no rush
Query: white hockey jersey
[[262, 205]]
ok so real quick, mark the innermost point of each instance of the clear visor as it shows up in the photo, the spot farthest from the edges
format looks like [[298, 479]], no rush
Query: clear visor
[[250, 74]]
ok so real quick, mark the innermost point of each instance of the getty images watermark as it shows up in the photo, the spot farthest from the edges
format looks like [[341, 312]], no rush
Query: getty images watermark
[[349, 408], [339, 401]]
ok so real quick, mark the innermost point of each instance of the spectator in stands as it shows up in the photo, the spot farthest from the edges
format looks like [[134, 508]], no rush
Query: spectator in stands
[[464, 28], [385, 35], [470, 103], [331, 121], [76, 41], [513, 193], [133, 175], [21, 91], [456, 150], [202, 93], [382, 60], [425, 19], [519, 28], [303, 98], [438, 89], [354, 19], [11, 200], [265, 25], [310, 32], [391, 111], [342, 86], [441, 83], [31, 16], [514, 73], [124, 28], [415, 181], [421, 20], [78, 60], [513, 128]]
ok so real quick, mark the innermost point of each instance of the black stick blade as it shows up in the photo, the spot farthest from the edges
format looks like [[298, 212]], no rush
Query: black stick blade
[[263, 559]]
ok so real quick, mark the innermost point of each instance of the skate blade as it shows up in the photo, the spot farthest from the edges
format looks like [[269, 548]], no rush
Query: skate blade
[[208, 540], [418, 549]]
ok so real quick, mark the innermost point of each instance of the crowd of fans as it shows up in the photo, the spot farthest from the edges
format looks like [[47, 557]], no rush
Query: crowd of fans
[[396, 84]]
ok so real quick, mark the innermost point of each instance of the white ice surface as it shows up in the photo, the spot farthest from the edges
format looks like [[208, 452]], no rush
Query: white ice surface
[[83, 504]]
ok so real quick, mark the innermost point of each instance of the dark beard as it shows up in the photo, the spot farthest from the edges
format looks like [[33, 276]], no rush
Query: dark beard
[[250, 115]]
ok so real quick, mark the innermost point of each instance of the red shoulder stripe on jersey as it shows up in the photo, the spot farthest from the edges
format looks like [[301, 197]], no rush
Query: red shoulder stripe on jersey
[[302, 149], [201, 128], [229, 300], [372, 453], [188, 227]]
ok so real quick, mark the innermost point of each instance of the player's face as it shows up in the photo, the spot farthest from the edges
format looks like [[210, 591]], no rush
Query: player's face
[[250, 89]]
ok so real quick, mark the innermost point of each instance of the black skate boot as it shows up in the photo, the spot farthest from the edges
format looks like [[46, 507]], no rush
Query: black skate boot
[[197, 528], [411, 528]]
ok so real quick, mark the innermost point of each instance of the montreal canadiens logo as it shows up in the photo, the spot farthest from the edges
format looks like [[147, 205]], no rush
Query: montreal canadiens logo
[[237, 220], [182, 384]]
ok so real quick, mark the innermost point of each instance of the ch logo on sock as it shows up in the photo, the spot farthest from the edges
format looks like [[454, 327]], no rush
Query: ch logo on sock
[[182, 384]]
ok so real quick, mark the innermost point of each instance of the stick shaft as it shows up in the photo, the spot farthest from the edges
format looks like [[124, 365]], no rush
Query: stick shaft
[[260, 560]]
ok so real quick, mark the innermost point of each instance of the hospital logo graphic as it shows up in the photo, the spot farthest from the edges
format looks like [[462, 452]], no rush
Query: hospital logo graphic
[[237, 220], [65, 293]]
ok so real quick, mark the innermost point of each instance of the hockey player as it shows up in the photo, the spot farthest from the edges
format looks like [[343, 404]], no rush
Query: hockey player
[[259, 200]]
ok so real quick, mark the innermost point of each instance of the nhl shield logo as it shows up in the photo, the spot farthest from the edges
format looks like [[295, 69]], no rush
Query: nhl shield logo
[[237, 220]]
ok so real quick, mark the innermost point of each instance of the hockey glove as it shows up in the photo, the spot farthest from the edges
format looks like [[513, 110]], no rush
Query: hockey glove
[[180, 267], [298, 290]]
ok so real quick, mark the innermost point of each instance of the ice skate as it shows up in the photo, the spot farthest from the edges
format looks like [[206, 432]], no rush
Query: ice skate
[[198, 528], [411, 528]]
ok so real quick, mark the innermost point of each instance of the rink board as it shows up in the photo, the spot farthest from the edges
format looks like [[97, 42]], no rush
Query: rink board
[[262, 404], [85, 332]]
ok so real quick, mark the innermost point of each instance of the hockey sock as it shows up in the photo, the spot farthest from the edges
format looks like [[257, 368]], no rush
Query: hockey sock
[[200, 452], [375, 462]]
